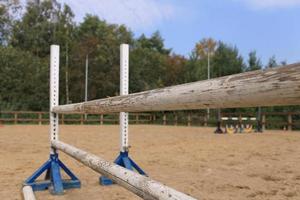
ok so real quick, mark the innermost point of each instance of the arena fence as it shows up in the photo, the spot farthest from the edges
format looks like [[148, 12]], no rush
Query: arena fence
[[30, 117], [270, 120]]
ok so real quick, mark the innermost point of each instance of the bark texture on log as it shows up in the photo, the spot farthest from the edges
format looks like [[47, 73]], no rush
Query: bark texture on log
[[142, 186], [28, 193], [272, 87]]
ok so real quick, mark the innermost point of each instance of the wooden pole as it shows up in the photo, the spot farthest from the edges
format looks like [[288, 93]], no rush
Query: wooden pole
[[40, 118], [16, 118], [189, 119], [81, 119], [272, 87], [62, 119], [205, 120], [28, 193], [140, 185], [175, 119], [137, 118], [164, 119], [290, 121], [263, 121], [101, 119]]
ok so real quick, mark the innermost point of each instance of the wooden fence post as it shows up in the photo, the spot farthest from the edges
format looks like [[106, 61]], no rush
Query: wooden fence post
[[189, 119], [81, 119], [136, 118], [290, 121], [165, 119], [16, 118], [101, 119], [175, 119], [240, 120], [40, 118], [205, 120], [263, 122], [63, 119]]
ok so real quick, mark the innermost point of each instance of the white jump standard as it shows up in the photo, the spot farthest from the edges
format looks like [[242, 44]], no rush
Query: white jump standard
[[123, 159], [53, 179]]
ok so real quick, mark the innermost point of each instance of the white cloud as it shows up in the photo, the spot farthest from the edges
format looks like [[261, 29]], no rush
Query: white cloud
[[137, 14], [261, 4]]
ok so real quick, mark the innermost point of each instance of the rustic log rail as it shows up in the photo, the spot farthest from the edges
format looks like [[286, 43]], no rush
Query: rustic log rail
[[142, 186], [271, 87]]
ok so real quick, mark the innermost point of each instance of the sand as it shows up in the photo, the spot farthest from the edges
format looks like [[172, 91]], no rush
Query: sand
[[191, 159]]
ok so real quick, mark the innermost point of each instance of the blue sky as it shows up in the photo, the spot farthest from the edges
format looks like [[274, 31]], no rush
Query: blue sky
[[271, 27]]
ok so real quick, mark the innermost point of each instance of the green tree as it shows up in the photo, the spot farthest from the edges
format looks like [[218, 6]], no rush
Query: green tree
[[254, 63], [45, 23], [272, 62], [283, 63], [148, 64], [23, 80], [65, 36], [199, 65], [154, 43], [9, 10], [227, 61], [36, 30], [3, 23], [175, 69], [195, 69], [100, 41]]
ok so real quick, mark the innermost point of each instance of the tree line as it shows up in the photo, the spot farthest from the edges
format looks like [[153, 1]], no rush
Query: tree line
[[26, 34]]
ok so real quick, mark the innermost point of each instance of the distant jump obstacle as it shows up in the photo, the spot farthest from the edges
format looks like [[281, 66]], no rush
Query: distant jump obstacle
[[250, 89], [239, 124]]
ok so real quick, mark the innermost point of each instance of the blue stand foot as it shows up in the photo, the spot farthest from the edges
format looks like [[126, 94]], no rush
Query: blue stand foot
[[53, 180], [126, 162]]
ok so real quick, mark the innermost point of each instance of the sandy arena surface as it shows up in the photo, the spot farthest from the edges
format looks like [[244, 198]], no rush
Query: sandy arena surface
[[190, 159]]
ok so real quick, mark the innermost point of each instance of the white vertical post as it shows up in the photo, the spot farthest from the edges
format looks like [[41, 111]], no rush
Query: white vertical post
[[86, 81], [86, 77], [54, 93], [124, 75], [208, 78]]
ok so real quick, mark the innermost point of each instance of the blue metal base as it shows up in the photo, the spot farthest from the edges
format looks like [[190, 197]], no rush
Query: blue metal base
[[126, 162], [53, 180]]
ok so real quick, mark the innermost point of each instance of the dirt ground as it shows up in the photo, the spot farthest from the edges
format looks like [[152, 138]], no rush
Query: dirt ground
[[190, 159]]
